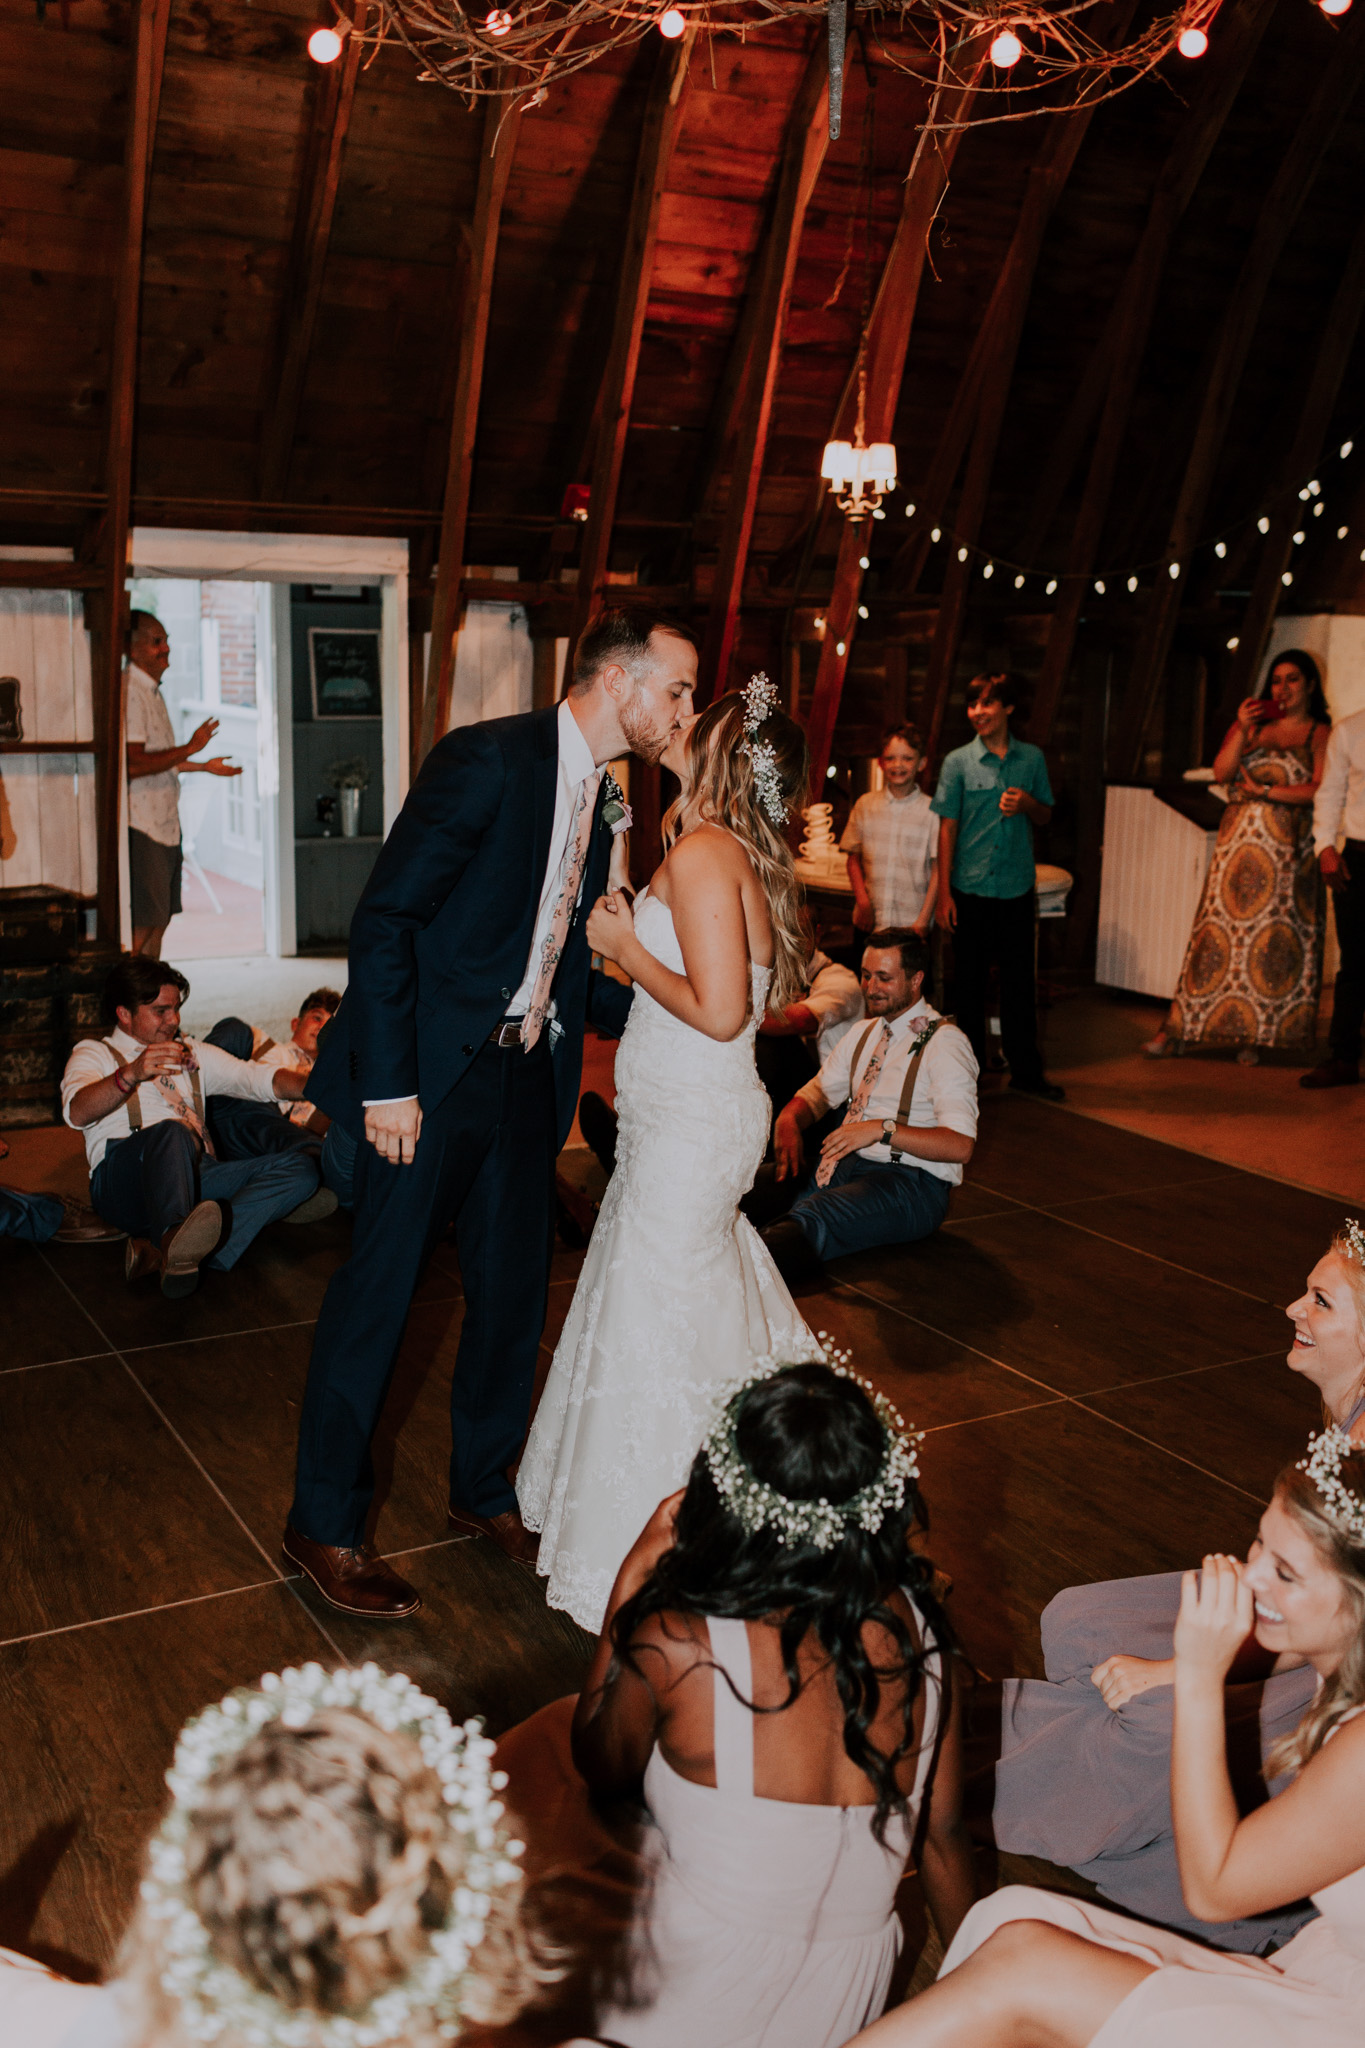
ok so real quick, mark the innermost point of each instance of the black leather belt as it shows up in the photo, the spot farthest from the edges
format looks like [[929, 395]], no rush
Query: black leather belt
[[506, 1033]]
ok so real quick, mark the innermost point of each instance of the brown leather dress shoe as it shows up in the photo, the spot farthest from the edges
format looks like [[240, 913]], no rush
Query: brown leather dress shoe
[[353, 1580], [507, 1530], [1331, 1074], [141, 1258], [80, 1225], [184, 1247]]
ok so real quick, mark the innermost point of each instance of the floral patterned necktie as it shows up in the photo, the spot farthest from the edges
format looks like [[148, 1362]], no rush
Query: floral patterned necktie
[[575, 860], [857, 1108]]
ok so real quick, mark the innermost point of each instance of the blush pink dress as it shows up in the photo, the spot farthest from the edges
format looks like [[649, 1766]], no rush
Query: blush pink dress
[[767, 1923], [1311, 1994]]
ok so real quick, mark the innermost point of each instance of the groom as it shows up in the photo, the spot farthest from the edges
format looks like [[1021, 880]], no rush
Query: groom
[[457, 1052]]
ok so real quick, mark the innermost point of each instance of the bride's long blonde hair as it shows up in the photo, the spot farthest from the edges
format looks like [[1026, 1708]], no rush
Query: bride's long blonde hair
[[723, 790]]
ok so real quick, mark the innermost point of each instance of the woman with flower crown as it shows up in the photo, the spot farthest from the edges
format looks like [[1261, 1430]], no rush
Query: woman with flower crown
[[677, 1293], [775, 1673], [333, 1872], [1030, 1969], [1084, 1772]]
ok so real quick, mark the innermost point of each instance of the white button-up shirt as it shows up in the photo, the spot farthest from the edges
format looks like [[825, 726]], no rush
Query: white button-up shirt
[[945, 1092], [576, 764], [94, 1059], [153, 800], [835, 996], [1339, 806]]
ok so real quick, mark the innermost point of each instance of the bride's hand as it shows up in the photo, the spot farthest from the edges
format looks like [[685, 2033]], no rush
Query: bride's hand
[[611, 925]]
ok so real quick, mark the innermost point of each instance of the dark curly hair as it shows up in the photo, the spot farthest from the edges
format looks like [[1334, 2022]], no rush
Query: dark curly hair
[[809, 1433]]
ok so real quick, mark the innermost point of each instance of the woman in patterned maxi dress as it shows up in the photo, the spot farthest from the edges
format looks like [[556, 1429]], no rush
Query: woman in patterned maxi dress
[[1253, 965]]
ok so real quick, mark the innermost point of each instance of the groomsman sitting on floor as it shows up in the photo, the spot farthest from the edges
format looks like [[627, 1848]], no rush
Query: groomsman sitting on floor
[[241, 1129], [139, 1096], [887, 1167]]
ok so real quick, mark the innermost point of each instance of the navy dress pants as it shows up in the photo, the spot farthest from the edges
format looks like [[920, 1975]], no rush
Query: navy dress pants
[[250, 1130], [485, 1158], [35, 1218]]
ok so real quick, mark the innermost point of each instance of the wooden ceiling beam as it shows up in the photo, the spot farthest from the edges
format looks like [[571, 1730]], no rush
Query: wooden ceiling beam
[[888, 339], [664, 112], [995, 352], [331, 99], [1117, 355], [1122, 349], [501, 127], [151, 20], [803, 156], [1298, 168], [1334, 353]]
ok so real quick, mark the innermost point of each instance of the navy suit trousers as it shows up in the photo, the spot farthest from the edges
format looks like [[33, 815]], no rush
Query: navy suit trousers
[[486, 1159]]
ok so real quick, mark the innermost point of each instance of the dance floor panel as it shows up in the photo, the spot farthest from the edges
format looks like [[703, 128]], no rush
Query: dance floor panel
[[1094, 1346]]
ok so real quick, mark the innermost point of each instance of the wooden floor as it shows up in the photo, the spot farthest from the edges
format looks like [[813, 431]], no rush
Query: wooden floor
[[1095, 1344]]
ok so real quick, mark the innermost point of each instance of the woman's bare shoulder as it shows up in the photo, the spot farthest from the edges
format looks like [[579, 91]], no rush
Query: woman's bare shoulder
[[707, 853], [669, 1646]]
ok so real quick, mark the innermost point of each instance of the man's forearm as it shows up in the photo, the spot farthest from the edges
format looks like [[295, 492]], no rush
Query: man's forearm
[[937, 1141], [156, 764]]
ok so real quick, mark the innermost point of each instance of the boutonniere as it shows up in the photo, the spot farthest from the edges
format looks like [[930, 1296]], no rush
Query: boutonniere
[[615, 809]]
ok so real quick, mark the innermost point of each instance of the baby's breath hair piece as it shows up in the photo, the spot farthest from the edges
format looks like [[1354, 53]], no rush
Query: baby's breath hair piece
[[822, 1523], [1323, 1466], [760, 699], [1355, 1240], [214, 1997]]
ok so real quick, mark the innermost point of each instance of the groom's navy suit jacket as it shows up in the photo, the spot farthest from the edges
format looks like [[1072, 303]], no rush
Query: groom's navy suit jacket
[[441, 936]]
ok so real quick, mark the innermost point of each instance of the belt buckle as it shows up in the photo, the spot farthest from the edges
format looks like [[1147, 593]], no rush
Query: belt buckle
[[508, 1032]]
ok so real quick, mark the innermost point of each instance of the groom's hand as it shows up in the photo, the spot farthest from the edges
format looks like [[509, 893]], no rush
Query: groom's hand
[[393, 1128]]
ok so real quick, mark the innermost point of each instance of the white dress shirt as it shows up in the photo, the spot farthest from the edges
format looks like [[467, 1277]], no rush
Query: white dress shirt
[[576, 764], [835, 996], [945, 1092], [94, 1059], [284, 1053], [1339, 806], [153, 800]]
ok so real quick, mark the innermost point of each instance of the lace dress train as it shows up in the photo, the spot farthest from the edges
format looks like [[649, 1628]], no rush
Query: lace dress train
[[676, 1296]]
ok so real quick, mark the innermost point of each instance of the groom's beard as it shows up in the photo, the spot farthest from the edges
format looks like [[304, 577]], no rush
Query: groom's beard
[[644, 742]]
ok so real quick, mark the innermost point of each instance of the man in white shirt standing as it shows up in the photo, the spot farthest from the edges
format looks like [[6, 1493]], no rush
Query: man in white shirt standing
[[155, 764], [887, 1169], [139, 1096], [1339, 809]]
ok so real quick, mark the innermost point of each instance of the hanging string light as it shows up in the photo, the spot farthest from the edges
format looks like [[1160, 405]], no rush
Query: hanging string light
[[324, 46]]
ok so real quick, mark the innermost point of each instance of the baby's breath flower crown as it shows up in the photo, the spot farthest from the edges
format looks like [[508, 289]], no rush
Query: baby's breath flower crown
[[214, 1998], [760, 700], [822, 1523], [1323, 1466], [1355, 1240]]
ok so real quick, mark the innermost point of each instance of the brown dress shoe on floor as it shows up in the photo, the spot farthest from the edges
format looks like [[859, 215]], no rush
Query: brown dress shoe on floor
[[184, 1247], [507, 1530], [355, 1581], [1331, 1074], [141, 1258], [80, 1225]]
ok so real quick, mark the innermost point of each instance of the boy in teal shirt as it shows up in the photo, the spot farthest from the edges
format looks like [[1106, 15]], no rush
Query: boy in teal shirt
[[991, 793]]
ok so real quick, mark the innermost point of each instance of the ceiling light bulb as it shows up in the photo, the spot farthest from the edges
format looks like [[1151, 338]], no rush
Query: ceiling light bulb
[[1220, 548], [1342, 532], [1345, 449], [324, 46], [1018, 582], [1314, 487], [1192, 42], [863, 562], [672, 22], [831, 770], [936, 534], [877, 512], [1319, 508], [1299, 538], [839, 647], [1173, 571], [1303, 495], [989, 569], [1233, 644], [962, 554], [498, 22], [1288, 576], [819, 625], [863, 611], [1335, 6], [1263, 524], [1052, 586], [1132, 582], [1099, 586], [909, 511], [1006, 49]]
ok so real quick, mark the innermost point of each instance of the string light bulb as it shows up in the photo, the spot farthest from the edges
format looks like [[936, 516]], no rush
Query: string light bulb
[[839, 647], [863, 562], [936, 534], [1345, 449], [989, 569], [1288, 577], [1299, 538], [1192, 42], [1335, 6], [1019, 581], [1132, 582], [1314, 487], [499, 22], [1007, 49], [1220, 548], [1263, 524], [1342, 532], [962, 554], [672, 22], [1051, 588], [1173, 571], [909, 511], [1099, 586], [324, 46], [1233, 644], [1319, 508], [863, 611]]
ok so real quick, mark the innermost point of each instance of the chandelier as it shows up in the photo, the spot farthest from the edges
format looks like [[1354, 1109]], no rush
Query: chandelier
[[859, 477]]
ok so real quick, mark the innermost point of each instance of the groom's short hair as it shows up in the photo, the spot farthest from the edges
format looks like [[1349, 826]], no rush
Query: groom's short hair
[[620, 633], [911, 947]]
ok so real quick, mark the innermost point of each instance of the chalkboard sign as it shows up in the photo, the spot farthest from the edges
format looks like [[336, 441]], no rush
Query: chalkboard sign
[[343, 663], [11, 715]]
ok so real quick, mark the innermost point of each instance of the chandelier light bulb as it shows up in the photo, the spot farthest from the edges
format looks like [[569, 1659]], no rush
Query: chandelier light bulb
[[1220, 548], [877, 512], [672, 22], [1263, 524], [1051, 588], [324, 46], [1007, 49], [1335, 6], [1192, 42]]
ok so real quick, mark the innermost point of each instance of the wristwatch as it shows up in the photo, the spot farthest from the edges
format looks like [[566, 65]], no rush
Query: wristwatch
[[889, 1134]]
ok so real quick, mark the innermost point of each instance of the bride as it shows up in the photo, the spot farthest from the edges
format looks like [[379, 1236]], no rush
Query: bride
[[677, 1295]]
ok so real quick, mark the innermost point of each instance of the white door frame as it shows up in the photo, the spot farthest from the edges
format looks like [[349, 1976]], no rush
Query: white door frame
[[281, 559]]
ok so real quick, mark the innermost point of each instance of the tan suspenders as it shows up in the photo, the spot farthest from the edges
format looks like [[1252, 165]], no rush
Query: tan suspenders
[[134, 1107], [911, 1072]]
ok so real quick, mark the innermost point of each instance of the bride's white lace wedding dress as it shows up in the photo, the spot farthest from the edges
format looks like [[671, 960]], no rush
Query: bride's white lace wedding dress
[[676, 1295]]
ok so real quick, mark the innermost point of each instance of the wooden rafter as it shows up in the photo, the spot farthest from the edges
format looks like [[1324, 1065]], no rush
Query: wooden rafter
[[332, 97], [1334, 351], [888, 339], [1117, 355], [1122, 348], [501, 127], [663, 122], [151, 20], [1000, 335], [802, 158], [1280, 209]]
